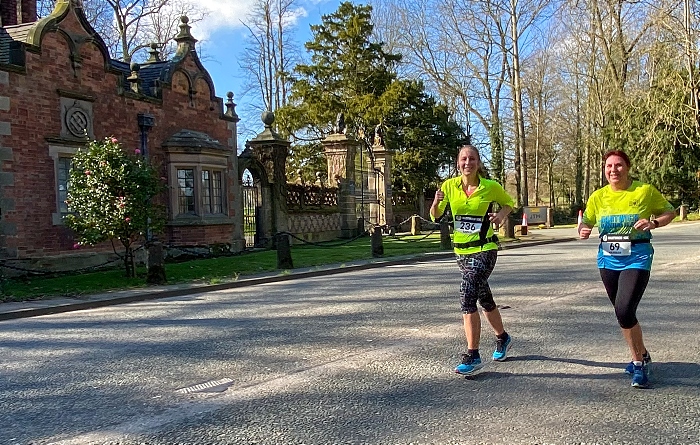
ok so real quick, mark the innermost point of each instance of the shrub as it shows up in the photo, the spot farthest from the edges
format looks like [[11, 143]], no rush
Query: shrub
[[110, 195]]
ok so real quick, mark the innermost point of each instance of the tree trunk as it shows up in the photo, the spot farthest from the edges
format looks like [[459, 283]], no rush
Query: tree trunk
[[129, 261], [518, 105], [497, 152]]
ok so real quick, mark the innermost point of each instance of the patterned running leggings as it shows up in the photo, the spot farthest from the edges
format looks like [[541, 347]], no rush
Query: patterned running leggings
[[476, 269]]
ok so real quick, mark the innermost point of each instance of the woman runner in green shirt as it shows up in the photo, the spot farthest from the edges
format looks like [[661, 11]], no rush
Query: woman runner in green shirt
[[470, 197], [625, 212]]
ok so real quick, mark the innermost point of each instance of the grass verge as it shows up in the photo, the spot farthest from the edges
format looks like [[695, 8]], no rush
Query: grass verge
[[213, 270]]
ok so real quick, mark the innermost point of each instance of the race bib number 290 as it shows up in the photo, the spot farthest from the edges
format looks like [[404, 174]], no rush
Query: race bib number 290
[[468, 224], [616, 245]]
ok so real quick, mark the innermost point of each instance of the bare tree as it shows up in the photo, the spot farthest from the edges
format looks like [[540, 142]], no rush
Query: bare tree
[[465, 69], [270, 51], [468, 53]]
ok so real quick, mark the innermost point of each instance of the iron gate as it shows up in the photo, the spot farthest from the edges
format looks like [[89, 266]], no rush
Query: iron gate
[[251, 212]]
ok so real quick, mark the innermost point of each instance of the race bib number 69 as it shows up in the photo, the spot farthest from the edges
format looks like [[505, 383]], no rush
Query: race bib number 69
[[616, 245], [468, 224]]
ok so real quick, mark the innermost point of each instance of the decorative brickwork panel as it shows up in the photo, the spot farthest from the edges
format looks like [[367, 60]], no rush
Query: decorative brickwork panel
[[314, 227], [76, 118], [305, 197]]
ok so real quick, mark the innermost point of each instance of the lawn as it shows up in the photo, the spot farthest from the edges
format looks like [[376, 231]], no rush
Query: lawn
[[222, 269], [215, 270]]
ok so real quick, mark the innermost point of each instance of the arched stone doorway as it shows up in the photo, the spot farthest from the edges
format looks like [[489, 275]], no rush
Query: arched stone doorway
[[255, 187]]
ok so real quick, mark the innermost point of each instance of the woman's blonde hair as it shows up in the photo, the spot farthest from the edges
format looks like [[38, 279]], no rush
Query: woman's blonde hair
[[481, 170]]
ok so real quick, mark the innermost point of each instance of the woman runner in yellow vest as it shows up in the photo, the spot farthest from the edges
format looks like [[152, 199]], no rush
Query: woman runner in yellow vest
[[470, 197]]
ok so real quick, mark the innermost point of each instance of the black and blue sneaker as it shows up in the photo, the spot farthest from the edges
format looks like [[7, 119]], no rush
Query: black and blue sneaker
[[646, 361], [640, 377], [469, 365], [502, 347]]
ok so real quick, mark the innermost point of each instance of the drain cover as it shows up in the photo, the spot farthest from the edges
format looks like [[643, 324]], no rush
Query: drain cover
[[210, 386]]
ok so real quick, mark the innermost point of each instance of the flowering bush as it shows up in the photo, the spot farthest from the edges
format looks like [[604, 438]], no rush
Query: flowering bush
[[110, 195]]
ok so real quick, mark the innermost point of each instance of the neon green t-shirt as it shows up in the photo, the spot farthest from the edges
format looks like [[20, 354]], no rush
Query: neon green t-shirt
[[615, 212], [469, 211]]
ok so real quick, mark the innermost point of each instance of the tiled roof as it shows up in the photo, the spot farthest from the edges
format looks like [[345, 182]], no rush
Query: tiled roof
[[151, 75], [10, 38], [191, 139]]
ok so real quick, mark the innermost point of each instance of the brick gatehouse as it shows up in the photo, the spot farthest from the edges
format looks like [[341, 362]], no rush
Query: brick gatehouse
[[58, 83]]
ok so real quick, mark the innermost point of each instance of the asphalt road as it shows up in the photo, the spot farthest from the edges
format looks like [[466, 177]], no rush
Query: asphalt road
[[366, 357]]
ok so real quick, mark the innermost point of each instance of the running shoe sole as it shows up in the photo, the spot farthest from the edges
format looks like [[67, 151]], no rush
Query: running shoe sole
[[475, 370]]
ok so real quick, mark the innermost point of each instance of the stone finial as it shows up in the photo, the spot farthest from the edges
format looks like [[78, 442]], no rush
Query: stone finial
[[268, 118], [268, 135], [230, 105], [134, 78], [184, 36], [154, 53]]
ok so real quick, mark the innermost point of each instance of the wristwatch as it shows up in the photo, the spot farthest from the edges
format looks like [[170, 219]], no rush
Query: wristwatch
[[656, 223]]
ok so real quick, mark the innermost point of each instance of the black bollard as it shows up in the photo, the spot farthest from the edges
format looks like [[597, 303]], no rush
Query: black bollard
[[445, 241], [377, 242], [155, 264], [284, 252], [360, 226]]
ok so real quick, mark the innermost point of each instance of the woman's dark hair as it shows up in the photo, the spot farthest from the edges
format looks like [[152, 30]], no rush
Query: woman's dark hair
[[619, 153], [481, 169]]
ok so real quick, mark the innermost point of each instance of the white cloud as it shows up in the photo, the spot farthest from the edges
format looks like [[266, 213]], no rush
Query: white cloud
[[222, 14], [230, 15]]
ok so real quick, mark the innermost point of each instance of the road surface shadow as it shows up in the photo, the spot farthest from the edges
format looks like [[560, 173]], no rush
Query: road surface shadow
[[663, 374]]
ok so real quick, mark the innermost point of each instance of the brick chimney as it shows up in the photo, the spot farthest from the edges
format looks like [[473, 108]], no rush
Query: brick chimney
[[15, 12]]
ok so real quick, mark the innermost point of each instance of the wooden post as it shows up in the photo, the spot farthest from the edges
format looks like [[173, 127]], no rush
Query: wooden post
[[284, 252], [155, 264], [509, 227], [377, 242], [445, 241], [415, 225]]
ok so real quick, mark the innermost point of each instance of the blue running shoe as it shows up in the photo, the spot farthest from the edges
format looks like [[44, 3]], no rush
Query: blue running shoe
[[469, 365], [646, 361], [502, 347], [640, 377]]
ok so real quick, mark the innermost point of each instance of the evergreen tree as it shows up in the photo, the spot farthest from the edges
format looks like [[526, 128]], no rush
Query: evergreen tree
[[351, 74], [662, 137]]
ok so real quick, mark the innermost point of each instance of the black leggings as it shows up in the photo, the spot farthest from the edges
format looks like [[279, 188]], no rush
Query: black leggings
[[625, 289]]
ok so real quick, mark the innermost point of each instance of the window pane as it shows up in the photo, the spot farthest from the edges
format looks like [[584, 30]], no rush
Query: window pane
[[63, 175], [185, 180], [206, 192], [212, 192], [217, 193]]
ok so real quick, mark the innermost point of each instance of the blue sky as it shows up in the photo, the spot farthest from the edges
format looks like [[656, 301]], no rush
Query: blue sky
[[223, 36]]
